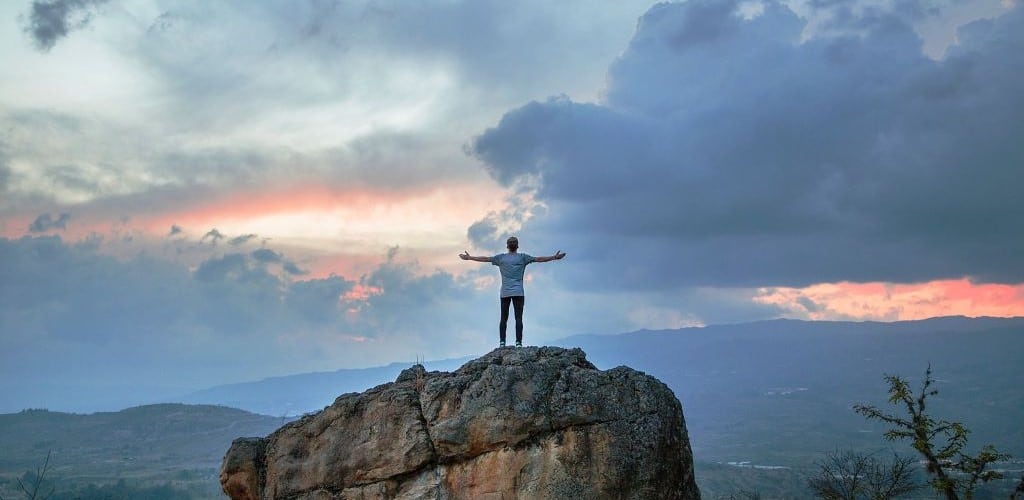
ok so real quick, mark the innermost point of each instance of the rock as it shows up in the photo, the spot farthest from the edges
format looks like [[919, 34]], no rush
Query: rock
[[535, 422], [241, 475]]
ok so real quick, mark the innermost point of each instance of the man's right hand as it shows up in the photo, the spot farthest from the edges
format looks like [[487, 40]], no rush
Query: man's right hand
[[465, 256]]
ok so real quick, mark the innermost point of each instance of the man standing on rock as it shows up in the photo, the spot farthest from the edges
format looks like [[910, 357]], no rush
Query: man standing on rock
[[512, 266]]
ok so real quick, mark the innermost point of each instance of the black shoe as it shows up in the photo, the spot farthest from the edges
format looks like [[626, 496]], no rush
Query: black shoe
[[519, 344], [501, 343]]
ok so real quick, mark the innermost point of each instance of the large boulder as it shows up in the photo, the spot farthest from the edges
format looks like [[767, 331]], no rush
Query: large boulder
[[535, 422]]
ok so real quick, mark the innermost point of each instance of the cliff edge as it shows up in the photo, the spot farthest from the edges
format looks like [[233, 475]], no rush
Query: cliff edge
[[534, 422]]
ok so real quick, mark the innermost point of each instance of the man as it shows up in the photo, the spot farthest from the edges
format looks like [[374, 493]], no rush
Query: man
[[512, 266]]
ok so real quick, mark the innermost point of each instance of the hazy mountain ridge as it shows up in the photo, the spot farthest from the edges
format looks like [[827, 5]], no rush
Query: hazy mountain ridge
[[775, 393], [137, 442], [801, 376], [291, 395], [780, 392]]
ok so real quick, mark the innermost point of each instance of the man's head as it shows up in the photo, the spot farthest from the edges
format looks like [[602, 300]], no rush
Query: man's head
[[512, 243]]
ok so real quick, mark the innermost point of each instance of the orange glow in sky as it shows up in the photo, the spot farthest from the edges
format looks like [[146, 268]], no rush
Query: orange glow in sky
[[325, 230], [348, 232], [897, 302], [424, 216]]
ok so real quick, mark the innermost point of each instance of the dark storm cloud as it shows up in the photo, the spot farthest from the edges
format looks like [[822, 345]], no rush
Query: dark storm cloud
[[411, 301], [74, 293], [99, 318], [47, 222], [51, 20], [728, 152], [63, 281], [70, 305]]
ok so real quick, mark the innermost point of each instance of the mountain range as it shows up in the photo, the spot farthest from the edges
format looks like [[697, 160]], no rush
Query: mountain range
[[762, 401], [768, 392]]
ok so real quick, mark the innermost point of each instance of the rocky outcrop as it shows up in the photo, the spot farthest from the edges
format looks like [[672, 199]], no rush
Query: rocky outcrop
[[536, 422]]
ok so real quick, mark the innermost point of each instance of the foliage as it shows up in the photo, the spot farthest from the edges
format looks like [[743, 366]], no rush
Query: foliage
[[34, 486], [941, 443], [31, 484], [122, 491], [857, 476]]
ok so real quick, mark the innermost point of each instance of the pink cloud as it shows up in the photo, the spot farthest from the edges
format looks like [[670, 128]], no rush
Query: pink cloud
[[361, 292], [894, 301]]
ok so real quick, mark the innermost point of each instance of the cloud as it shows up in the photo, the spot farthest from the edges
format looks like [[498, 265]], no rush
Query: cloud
[[266, 255], [730, 152], [896, 302], [5, 172], [350, 123], [51, 20], [175, 230], [101, 317], [520, 206], [293, 269], [232, 265], [213, 235], [77, 161], [239, 240], [47, 222], [486, 43], [232, 317]]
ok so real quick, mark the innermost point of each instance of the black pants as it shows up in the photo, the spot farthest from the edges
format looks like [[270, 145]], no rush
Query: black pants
[[518, 302]]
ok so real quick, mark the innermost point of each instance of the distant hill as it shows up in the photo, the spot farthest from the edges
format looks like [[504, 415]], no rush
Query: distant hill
[[141, 442], [772, 392], [294, 395]]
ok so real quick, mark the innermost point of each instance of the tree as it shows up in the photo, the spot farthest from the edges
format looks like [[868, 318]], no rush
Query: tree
[[32, 485], [857, 476], [941, 443]]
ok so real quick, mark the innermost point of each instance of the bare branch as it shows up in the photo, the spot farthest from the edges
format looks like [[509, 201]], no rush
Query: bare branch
[[37, 481], [857, 476]]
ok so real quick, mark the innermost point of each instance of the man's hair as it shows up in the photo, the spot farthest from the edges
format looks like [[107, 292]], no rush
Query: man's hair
[[512, 243]]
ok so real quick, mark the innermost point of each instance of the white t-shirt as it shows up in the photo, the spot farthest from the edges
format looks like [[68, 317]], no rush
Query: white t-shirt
[[513, 267]]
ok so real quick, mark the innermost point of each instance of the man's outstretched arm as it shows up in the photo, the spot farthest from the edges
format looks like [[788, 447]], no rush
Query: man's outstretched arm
[[467, 256], [559, 255]]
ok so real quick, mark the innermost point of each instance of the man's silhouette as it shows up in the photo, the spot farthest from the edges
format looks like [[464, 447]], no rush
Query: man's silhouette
[[513, 266]]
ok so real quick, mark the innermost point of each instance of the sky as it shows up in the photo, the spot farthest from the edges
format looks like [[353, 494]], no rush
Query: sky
[[195, 193]]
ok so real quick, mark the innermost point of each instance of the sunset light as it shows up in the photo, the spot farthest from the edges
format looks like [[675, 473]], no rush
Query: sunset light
[[530, 226]]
